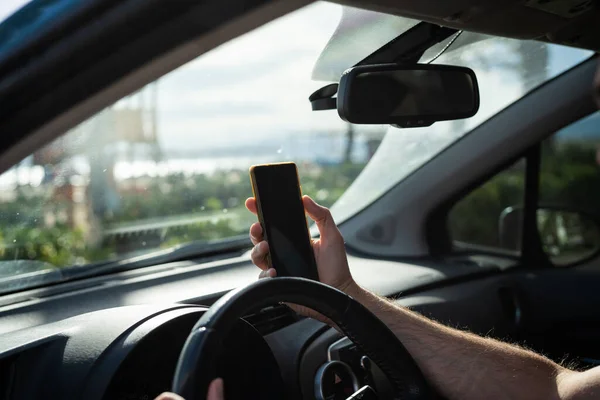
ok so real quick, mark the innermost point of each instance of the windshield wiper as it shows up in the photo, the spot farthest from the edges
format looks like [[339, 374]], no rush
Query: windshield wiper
[[178, 253]]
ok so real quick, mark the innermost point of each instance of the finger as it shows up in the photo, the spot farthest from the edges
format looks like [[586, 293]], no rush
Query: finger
[[322, 218], [256, 233], [258, 255], [169, 396], [215, 390], [251, 205], [268, 273]]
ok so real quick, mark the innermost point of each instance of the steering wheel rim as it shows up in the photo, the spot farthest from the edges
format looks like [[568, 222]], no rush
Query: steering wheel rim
[[195, 367]]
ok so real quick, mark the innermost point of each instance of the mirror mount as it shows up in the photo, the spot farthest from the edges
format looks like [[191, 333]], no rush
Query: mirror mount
[[405, 49], [323, 99]]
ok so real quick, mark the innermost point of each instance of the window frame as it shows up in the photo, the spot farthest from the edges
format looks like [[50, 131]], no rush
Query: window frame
[[532, 255], [438, 232]]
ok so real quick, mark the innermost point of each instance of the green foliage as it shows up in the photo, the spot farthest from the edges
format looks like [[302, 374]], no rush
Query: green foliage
[[326, 184], [58, 245], [180, 194], [213, 204], [475, 219], [25, 209], [218, 196], [569, 177]]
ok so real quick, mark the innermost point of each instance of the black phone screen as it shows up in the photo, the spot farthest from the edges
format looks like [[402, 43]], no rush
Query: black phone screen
[[284, 223]]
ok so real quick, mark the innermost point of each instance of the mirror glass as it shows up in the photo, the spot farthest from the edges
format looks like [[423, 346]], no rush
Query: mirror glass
[[567, 237], [408, 97]]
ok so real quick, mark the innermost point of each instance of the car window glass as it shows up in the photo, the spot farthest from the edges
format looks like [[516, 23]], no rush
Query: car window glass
[[570, 167], [482, 218], [568, 203], [168, 165], [569, 197]]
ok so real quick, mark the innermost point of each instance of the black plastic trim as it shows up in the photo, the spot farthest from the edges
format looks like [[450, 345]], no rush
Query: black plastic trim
[[343, 100]]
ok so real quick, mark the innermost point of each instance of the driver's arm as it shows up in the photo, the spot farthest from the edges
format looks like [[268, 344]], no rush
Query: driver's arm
[[460, 365]]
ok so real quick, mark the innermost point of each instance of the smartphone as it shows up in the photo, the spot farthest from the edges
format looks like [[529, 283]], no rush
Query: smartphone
[[278, 195]]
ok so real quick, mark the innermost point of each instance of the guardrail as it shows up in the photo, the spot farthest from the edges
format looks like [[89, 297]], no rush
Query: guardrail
[[149, 233]]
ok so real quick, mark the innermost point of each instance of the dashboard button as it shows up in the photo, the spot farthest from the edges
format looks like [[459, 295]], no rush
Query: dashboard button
[[335, 380]]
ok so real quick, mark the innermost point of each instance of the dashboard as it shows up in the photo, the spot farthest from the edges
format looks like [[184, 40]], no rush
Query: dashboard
[[90, 340], [247, 364], [131, 353]]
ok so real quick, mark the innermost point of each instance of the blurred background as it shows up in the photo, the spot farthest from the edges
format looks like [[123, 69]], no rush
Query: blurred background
[[169, 164]]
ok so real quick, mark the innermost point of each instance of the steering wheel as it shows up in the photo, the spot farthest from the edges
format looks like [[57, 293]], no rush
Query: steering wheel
[[196, 366]]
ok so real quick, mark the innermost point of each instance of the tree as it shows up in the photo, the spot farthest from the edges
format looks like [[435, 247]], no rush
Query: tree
[[349, 144]]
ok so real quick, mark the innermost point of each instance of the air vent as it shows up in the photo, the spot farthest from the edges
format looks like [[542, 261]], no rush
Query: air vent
[[272, 318]]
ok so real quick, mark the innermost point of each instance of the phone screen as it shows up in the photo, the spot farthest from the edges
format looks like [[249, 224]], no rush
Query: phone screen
[[281, 212]]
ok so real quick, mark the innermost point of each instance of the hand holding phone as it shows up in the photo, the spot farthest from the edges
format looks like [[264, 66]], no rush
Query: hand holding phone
[[277, 191]]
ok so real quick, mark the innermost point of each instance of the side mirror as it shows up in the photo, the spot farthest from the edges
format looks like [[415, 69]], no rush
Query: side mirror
[[568, 236], [407, 96]]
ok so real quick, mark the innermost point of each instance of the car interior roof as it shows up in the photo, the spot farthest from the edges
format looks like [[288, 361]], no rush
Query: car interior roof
[[573, 23]]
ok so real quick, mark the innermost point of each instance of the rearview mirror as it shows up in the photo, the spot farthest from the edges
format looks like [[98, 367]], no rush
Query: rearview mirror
[[407, 96], [568, 236]]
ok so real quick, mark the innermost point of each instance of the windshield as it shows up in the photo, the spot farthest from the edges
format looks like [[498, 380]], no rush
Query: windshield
[[8, 7], [168, 165], [506, 70]]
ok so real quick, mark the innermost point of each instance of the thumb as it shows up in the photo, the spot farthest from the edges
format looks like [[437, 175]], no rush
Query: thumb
[[215, 390], [169, 396], [322, 218]]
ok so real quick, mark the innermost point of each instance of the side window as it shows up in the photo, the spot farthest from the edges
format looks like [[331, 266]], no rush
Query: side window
[[569, 197], [570, 168], [477, 218], [568, 215]]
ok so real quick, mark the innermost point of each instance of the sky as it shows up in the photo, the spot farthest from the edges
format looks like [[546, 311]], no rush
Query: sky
[[253, 88]]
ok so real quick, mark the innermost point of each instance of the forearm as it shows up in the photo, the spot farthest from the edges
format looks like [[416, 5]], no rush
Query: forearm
[[466, 366]]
